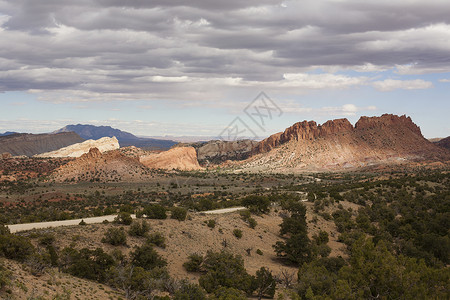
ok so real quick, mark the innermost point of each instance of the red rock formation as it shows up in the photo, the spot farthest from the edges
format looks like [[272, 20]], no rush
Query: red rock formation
[[304, 131], [337, 144], [387, 120], [109, 166], [444, 143]]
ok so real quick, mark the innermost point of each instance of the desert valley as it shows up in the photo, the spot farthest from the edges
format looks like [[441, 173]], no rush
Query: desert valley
[[330, 211]]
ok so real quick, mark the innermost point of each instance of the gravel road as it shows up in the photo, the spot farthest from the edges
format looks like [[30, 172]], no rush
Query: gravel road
[[39, 225]]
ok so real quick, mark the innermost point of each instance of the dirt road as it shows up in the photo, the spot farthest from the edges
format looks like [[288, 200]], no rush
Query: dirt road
[[28, 226], [39, 225]]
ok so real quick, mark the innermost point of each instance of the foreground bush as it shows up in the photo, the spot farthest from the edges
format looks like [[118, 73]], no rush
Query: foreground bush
[[139, 228], [146, 257], [189, 291], [115, 236], [157, 239], [123, 218], [194, 263], [86, 263], [224, 269], [179, 213], [15, 247], [155, 211], [257, 204], [5, 276]]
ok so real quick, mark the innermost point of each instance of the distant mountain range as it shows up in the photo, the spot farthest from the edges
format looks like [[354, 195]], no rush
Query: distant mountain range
[[125, 138], [7, 133], [30, 144]]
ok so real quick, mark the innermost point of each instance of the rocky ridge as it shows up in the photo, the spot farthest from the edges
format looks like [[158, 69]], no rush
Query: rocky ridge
[[76, 150], [444, 143], [95, 166], [30, 144], [181, 158], [337, 144], [217, 151]]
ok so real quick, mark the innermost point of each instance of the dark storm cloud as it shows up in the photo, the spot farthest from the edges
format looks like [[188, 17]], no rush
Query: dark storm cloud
[[135, 49]]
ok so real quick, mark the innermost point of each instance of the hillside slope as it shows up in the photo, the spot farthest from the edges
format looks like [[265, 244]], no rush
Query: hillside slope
[[181, 158], [95, 166], [444, 143], [337, 144], [31, 144]]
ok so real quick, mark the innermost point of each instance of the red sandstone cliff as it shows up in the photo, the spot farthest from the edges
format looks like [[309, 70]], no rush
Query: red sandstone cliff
[[337, 143]]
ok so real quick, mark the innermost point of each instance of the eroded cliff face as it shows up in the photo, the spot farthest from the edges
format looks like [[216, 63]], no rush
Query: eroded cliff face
[[444, 143], [337, 144], [216, 152], [181, 158], [77, 150], [306, 130], [387, 120]]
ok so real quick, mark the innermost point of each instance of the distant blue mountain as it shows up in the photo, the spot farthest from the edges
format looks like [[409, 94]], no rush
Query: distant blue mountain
[[125, 138], [7, 133]]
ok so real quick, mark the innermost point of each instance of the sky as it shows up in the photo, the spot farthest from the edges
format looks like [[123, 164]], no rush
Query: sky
[[199, 67]]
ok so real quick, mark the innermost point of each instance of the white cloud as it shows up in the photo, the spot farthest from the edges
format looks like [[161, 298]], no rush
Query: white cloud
[[392, 84], [320, 81], [345, 110], [444, 80]]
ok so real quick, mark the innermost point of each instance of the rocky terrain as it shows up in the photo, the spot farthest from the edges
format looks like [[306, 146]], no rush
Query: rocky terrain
[[125, 138], [217, 151], [76, 150], [445, 142], [181, 158], [31, 144], [337, 144], [95, 166]]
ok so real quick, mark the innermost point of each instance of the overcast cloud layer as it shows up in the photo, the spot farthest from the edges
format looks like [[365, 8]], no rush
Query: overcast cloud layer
[[85, 50]]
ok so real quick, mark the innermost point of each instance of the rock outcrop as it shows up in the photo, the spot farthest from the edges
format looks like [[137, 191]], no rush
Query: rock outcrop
[[180, 158], [337, 144], [304, 131], [31, 144], [444, 143], [77, 150], [217, 151], [95, 166]]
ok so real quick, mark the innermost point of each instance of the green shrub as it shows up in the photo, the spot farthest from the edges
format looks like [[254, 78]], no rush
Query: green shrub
[[245, 214], [146, 257], [157, 239], [257, 204], [86, 263], [224, 269], [211, 223], [82, 222], [237, 233], [224, 293], [189, 291], [15, 247], [264, 283], [139, 228], [259, 252], [194, 263], [123, 218], [155, 211], [178, 213], [115, 236], [5, 276], [252, 223]]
